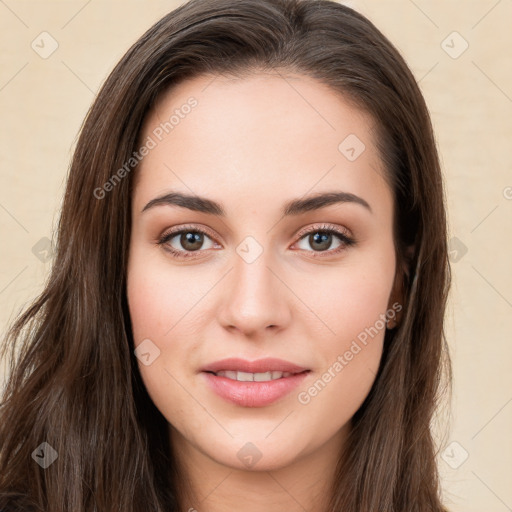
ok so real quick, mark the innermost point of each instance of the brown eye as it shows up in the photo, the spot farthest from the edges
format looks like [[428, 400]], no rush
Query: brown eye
[[321, 240], [185, 242], [191, 240]]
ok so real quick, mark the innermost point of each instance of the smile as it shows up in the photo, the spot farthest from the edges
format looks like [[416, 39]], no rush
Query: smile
[[252, 377], [253, 389]]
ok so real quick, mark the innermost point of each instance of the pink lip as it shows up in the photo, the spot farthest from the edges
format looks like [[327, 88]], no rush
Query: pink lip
[[253, 394], [268, 364]]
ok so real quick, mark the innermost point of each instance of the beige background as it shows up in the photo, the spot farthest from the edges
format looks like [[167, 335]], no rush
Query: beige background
[[43, 103]]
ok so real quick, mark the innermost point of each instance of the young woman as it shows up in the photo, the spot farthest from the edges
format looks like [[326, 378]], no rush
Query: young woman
[[246, 305]]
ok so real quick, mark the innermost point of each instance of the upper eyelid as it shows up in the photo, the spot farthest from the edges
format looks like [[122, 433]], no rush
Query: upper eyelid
[[186, 228], [325, 226]]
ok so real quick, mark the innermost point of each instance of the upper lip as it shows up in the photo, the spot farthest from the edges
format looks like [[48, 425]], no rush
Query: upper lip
[[268, 364]]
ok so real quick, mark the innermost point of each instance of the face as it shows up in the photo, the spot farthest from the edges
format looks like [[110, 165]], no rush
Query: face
[[274, 268]]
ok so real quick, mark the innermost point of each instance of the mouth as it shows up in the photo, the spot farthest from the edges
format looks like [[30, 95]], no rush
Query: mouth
[[254, 377], [253, 383], [259, 367]]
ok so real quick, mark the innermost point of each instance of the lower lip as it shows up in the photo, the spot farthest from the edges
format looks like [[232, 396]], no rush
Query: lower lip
[[253, 394]]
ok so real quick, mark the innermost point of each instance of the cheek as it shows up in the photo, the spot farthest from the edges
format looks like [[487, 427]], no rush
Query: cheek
[[165, 308], [352, 304], [159, 297], [147, 303], [359, 302], [155, 307], [350, 299]]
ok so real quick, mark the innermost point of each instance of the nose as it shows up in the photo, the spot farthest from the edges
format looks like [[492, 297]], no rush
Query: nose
[[255, 300]]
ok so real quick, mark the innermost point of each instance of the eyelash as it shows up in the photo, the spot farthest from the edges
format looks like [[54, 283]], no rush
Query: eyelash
[[345, 240]]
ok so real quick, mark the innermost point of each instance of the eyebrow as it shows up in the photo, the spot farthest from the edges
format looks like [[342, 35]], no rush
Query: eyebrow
[[294, 207]]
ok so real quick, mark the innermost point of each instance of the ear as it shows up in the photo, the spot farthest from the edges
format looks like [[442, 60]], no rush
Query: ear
[[397, 297]]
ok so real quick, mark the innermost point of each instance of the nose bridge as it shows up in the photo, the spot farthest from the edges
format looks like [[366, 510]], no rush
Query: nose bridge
[[255, 297]]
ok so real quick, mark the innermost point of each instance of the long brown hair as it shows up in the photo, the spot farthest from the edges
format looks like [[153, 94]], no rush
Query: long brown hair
[[73, 380]]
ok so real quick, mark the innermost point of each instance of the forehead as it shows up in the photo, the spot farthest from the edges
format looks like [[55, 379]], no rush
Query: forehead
[[262, 135]]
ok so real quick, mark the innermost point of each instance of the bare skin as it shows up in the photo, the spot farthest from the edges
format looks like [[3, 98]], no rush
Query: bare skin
[[252, 145]]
